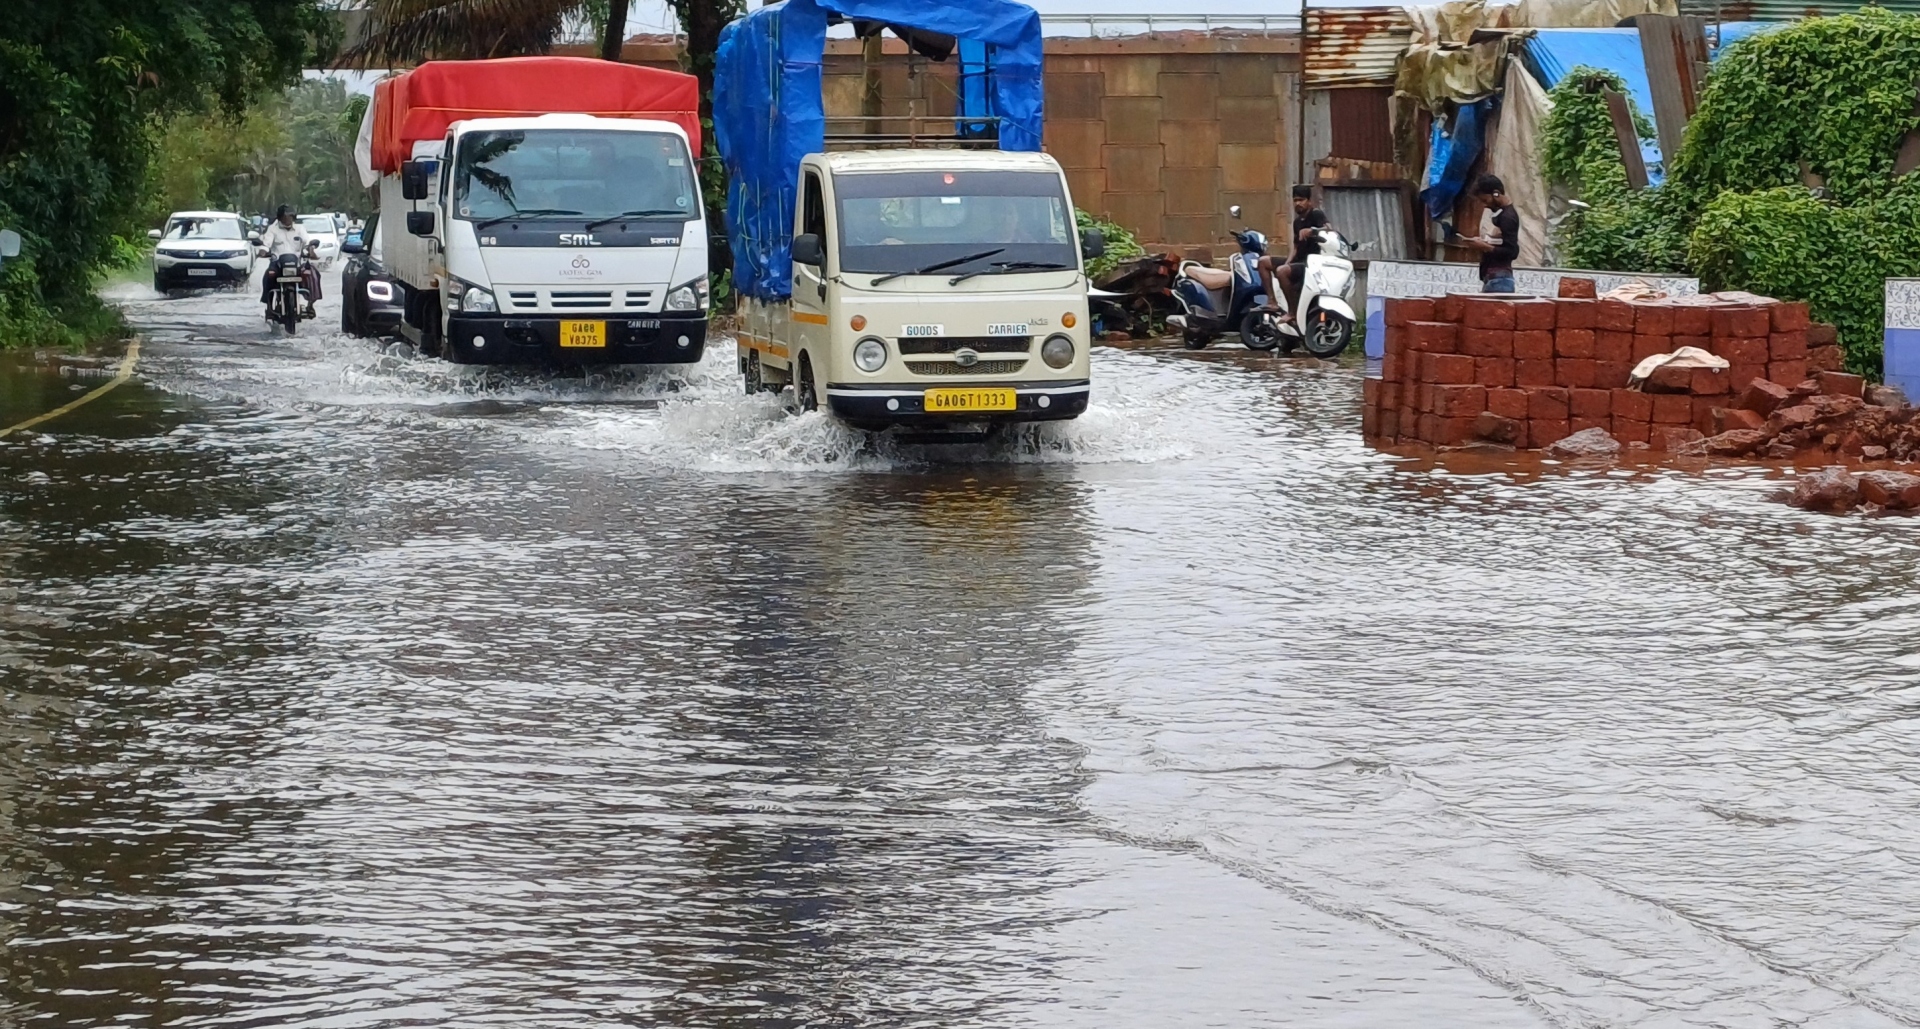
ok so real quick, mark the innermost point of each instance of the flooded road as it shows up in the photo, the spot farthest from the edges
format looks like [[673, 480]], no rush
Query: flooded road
[[342, 689]]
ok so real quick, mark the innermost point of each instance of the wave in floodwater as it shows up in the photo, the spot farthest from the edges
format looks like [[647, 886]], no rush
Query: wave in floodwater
[[692, 416]]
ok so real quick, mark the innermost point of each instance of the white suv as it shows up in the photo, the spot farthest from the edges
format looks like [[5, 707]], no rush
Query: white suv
[[199, 249]]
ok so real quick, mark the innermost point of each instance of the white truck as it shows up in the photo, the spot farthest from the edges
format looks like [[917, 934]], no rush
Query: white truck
[[535, 233], [930, 287]]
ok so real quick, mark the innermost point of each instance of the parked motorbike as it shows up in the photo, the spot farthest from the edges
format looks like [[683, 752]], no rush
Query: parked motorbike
[[288, 301], [1322, 323], [1214, 301]]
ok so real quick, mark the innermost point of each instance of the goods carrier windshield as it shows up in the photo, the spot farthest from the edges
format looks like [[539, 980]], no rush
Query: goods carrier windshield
[[573, 174], [901, 222]]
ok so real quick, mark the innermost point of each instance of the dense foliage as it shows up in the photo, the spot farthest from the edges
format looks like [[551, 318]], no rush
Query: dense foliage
[[84, 87], [294, 147], [1625, 228], [1822, 103]]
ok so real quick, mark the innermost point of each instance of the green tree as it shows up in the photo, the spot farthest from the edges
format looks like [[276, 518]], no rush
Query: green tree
[[84, 88]]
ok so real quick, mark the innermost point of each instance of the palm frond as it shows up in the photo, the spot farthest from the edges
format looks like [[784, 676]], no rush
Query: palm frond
[[400, 33]]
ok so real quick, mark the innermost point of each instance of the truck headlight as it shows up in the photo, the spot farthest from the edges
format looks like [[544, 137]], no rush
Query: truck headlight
[[1057, 351], [870, 355], [471, 299], [692, 296]]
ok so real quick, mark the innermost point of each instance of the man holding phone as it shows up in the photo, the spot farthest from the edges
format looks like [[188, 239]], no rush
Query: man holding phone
[[1498, 251]]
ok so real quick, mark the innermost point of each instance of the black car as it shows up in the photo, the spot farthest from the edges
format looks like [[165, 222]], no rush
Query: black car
[[370, 301]]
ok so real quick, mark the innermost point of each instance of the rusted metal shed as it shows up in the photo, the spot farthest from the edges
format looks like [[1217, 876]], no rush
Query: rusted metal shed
[[1354, 46]]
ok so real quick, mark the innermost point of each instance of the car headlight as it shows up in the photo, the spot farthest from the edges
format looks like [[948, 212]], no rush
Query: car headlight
[[470, 299], [691, 296], [1057, 351], [870, 355]]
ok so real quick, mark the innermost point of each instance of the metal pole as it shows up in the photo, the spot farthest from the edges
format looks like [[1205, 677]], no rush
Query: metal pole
[[1300, 154]]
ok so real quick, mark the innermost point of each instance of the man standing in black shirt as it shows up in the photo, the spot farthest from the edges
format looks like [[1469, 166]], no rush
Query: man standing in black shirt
[[1308, 220], [1497, 252]]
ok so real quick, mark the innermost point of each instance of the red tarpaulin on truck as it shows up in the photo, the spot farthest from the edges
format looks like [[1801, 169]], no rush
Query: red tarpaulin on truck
[[423, 102]]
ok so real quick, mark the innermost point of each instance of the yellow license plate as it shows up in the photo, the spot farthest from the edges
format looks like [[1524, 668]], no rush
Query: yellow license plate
[[583, 334], [945, 400]]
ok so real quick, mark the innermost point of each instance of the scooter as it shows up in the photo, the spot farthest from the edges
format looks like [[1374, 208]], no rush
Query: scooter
[[1212, 300], [1323, 323]]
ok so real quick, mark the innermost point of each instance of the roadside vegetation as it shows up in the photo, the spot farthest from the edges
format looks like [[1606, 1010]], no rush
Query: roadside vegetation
[[87, 89], [1785, 185]]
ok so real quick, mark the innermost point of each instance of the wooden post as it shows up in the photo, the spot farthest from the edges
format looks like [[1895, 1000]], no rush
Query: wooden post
[[870, 58], [1629, 138]]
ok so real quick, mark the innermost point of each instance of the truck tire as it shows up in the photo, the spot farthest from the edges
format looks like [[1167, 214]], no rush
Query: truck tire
[[751, 377], [805, 397]]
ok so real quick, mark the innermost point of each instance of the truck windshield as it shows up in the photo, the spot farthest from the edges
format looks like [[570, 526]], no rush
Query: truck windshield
[[589, 173], [900, 221]]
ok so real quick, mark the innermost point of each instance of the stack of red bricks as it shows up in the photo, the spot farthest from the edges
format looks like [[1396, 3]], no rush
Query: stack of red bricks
[[1528, 371]]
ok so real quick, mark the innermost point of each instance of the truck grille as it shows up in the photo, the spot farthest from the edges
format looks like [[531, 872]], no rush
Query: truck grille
[[949, 344], [950, 368], [578, 300]]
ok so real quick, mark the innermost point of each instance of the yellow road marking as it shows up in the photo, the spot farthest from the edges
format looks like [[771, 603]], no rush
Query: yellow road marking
[[125, 373]]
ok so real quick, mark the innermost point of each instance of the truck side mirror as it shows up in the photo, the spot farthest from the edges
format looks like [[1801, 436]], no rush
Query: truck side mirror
[[420, 223], [807, 250], [413, 180], [1093, 244]]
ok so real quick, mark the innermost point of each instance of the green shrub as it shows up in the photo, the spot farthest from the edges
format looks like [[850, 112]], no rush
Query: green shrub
[[1826, 97], [1121, 246]]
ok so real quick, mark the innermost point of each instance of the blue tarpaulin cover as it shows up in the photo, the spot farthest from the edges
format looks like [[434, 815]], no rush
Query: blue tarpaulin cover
[[767, 111], [1552, 53], [1454, 149]]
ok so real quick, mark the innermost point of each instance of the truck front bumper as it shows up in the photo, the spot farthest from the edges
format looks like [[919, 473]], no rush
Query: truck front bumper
[[879, 406], [503, 339]]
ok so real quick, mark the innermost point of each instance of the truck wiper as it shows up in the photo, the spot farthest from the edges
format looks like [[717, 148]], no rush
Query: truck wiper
[[522, 214], [941, 266], [1010, 266], [641, 213]]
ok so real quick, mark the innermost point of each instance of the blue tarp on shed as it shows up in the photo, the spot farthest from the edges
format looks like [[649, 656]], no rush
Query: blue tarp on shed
[[767, 111], [1552, 53]]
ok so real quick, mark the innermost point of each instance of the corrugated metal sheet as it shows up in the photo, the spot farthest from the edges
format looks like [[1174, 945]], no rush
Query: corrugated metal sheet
[[1355, 46], [1783, 10], [1377, 216], [1361, 126]]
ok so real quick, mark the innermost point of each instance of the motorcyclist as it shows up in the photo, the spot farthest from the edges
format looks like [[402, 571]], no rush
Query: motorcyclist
[[285, 236]]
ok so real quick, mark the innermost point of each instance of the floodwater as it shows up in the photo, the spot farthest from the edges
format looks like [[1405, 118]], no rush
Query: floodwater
[[343, 689]]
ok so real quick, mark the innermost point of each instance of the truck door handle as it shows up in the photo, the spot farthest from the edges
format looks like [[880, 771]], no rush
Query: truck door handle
[[821, 288]]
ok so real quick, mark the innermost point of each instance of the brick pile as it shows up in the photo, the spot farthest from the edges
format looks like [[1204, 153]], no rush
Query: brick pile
[[1528, 372]]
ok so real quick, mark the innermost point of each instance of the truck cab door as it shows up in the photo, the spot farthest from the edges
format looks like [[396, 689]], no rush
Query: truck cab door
[[810, 280]]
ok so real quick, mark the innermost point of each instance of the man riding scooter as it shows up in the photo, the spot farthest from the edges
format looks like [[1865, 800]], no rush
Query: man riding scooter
[[1308, 220], [284, 236]]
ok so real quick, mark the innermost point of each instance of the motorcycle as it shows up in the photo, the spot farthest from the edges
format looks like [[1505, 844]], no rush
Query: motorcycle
[[288, 301], [1323, 322], [1212, 299]]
